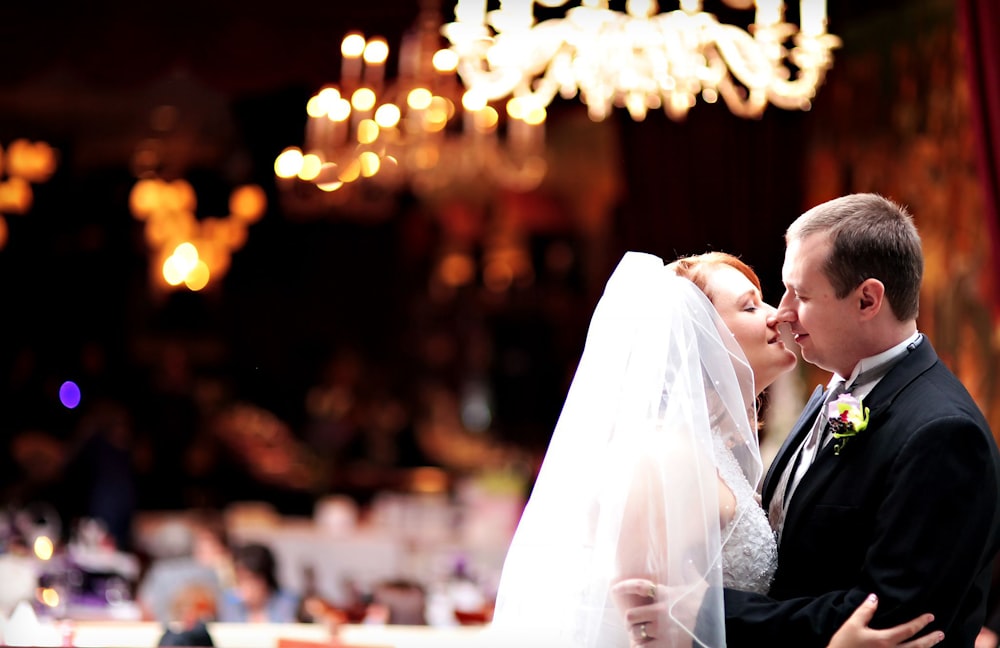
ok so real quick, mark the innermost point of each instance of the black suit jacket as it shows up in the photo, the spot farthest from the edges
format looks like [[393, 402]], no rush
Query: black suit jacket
[[909, 510]]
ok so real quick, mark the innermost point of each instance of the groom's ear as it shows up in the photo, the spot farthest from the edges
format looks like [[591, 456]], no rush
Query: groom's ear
[[870, 295]]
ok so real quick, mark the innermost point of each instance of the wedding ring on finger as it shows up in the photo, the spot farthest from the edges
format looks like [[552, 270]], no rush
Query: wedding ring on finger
[[652, 592], [642, 632]]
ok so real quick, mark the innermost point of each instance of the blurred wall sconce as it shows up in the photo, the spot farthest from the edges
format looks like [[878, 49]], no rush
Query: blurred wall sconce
[[188, 252], [23, 163]]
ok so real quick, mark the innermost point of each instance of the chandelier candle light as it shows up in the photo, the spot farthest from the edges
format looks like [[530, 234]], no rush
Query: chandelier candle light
[[643, 59], [422, 127]]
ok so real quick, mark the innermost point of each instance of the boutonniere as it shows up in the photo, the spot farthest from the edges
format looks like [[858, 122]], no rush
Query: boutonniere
[[847, 417]]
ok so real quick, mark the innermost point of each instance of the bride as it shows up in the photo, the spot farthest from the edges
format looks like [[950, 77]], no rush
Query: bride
[[652, 470]]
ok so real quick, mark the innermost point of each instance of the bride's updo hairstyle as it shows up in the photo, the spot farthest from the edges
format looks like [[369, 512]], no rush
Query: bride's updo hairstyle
[[697, 268]]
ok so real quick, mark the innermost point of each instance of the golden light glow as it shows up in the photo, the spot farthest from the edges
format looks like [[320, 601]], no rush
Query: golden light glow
[[368, 131], [351, 171], [197, 278], [394, 130], [43, 547], [24, 163], [369, 163], [49, 597], [248, 203], [189, 250], [311, 165], [456, 269], [376, 51], [445, 60], [363, 99], [353, 45], [387, 115], [286, 165], [419, 98]]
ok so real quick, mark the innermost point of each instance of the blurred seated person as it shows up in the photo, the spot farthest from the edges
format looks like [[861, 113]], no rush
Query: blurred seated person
[[192, 608], [210, 544], [184, 568], [256, 596], [397, 602]]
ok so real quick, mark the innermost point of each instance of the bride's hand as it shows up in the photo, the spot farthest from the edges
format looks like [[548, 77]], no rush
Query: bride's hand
[[644, 606], [855, 632]]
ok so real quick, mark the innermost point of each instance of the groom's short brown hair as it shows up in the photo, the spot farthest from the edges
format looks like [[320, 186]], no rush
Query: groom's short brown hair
[[871, 237]]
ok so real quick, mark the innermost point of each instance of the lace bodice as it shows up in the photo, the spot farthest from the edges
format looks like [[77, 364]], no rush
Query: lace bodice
[[749, 550]]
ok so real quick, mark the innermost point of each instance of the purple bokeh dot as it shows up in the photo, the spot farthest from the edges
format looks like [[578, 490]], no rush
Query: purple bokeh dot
[[69, 394]]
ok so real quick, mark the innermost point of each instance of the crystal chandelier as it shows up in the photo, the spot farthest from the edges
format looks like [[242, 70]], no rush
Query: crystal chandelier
[[643, 59], [421, 129]]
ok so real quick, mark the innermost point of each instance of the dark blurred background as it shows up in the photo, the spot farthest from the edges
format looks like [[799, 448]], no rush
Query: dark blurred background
[[327, 359]]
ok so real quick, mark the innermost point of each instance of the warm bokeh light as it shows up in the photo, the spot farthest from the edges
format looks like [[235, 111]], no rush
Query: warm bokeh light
[[363, 99], [340, 110], [15, 196], [350, 171], [187, 256], [387, 115], [419, 98], [368, 131], [311, 165], [198, 277], [43, 547], [456, 270], [370, 163], [353, 45], [445, 60], [173, 272], [376, 51], [473, 101], [412, 119], [486, 120], [49, 597], [33, 161], [288, 163], [536, 115], [69, 394], [247, 203]]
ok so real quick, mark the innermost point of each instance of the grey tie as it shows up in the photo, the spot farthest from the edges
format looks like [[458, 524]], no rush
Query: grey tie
[[798, 464]]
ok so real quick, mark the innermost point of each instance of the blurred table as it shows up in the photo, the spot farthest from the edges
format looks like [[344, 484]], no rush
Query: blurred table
[[270, 635]]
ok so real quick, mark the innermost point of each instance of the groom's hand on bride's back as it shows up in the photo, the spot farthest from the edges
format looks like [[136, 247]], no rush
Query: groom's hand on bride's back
[[855, 632]]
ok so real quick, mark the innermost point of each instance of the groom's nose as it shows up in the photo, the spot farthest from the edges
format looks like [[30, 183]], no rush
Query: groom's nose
[[786, 309]]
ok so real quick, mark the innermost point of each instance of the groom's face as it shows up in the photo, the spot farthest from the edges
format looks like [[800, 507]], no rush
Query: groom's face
[[821, 324]]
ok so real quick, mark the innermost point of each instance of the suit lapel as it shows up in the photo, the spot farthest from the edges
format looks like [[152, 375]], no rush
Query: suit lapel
[[791, 444], [827, 464]]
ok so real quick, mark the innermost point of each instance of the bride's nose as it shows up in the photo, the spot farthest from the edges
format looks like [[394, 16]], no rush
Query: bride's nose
[[772, 316]]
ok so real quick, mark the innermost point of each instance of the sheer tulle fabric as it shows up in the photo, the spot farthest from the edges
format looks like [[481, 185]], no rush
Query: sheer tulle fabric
[[628, 486]]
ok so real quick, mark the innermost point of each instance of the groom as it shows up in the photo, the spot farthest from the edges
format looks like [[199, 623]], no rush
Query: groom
[[906, 506]]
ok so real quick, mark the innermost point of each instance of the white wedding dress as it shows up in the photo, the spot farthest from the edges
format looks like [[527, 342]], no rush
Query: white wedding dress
[[750, 555], [662, 406]]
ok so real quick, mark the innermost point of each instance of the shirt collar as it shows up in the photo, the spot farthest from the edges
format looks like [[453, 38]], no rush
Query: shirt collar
[[884, 359]]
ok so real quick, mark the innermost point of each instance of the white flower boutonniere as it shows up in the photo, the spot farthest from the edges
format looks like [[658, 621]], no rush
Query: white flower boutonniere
[[847, 417]]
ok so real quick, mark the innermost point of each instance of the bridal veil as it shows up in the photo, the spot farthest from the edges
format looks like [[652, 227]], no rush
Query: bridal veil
[[628, 486]]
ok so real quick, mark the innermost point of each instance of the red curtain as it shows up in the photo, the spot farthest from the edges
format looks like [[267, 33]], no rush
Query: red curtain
[[978, 22]]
